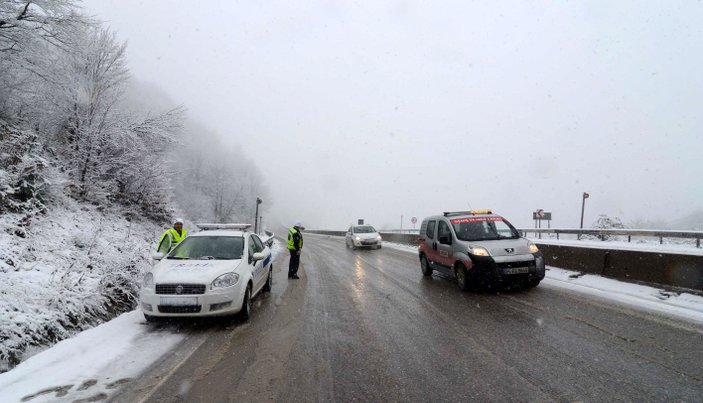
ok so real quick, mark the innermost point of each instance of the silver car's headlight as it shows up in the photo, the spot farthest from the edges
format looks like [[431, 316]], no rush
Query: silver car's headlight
[[226, 280], [378, 237], [479, 251], [533, 248], [148, 281], [358, 238]]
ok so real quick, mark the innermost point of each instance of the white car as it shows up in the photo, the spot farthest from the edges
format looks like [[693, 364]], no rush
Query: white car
[[214, 272], [363, 236]]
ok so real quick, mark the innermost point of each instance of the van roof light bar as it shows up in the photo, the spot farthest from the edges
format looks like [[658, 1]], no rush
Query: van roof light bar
[[470, 212]]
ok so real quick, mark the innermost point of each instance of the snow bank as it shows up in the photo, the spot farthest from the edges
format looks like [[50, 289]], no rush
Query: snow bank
[[74, 267]]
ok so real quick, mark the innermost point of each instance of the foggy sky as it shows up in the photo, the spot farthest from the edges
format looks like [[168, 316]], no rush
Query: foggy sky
[[378, 110]]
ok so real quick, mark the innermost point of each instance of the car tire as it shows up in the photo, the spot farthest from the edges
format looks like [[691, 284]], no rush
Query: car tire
[[269, 282], [425, 267], [353, 247], [150, 318], [378, 247], [462, 277], [245, 312], [533, 283], [346, 243]]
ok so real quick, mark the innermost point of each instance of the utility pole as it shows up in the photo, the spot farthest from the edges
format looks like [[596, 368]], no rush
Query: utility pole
[[583, 207], [256, 216]]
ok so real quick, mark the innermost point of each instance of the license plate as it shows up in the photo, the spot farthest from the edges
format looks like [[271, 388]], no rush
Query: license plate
[[516, 270], [179, 301]]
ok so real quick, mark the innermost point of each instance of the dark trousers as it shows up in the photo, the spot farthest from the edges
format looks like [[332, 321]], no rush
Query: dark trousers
[[294, 262]]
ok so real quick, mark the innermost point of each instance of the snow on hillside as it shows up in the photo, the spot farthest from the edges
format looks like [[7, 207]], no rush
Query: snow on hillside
[[68, 270]]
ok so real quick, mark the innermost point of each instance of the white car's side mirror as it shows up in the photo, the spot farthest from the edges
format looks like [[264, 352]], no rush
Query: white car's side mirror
[[157, 255], [258, 256]]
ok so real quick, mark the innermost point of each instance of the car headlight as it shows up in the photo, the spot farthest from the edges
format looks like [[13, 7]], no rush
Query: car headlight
[[378, 237], [533, 248], [226, 280], [479, 251], [358, 238], [148, 281]]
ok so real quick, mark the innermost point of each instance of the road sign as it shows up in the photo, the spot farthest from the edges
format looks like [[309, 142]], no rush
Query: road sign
[[413, 220], [546, 215], [539, 213]]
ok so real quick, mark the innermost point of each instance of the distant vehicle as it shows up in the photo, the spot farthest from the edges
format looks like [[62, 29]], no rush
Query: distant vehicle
[[478, 248], [363, 236], [215, 272]]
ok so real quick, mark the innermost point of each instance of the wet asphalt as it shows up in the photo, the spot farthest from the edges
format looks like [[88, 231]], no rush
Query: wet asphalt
[[365, 325]]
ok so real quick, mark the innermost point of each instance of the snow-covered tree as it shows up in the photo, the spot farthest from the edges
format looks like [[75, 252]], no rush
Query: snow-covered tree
[[31, 33], [22, 183], [606, 222], [22, 22], [67, 130], [215, 182]]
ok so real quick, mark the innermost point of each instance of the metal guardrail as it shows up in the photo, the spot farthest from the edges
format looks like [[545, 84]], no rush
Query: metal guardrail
[[603, 234], [401, 231]]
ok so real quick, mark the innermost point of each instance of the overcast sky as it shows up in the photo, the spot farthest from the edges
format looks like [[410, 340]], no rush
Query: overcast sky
[[377, 110]]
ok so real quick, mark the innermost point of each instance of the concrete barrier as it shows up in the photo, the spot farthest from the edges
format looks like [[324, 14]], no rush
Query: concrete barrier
[[655, 268], [652, 268]]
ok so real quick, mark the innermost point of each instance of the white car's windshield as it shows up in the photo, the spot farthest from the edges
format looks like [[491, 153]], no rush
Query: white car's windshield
[[209, 247], [364, 229]]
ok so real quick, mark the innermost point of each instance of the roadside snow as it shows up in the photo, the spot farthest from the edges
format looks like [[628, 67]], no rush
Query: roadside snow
[[73, 268], [93, 363]]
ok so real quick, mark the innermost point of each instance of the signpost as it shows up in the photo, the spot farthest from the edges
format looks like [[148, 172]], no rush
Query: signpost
[[539, 215], [256, 216], [413, 220], [583, 207]]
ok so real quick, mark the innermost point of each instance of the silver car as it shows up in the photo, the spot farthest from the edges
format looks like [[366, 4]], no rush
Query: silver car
[[478, 248], [363, 236]]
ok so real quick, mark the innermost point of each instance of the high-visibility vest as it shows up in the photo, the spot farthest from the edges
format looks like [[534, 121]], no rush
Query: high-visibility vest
[[170, 239], [292, 238]]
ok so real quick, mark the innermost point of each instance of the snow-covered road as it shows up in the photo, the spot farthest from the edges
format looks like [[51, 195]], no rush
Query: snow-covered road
[[94, 363]]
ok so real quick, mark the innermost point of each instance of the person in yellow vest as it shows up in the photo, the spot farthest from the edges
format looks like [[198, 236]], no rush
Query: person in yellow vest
[[295, 246], [172, 237]]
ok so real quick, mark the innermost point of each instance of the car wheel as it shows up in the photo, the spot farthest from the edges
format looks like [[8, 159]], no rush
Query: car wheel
[[346, 243], [425, 266], [353, 246], [378, 247], [269, 282], [462, 277], [245, 312], [150, 319], [533, 283]]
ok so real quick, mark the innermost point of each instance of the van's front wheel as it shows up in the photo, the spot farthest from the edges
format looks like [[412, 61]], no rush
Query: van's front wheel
[[462, 277]]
